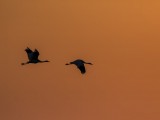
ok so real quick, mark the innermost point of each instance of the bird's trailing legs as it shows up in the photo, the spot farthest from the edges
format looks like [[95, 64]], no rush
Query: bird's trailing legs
[[88, 63]]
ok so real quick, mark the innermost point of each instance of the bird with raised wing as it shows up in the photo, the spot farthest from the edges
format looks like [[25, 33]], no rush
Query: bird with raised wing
[[80, 65], [33, 57]]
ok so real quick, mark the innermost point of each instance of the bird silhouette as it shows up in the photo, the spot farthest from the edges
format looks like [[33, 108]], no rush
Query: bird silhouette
[[33, 57], [80, 65]]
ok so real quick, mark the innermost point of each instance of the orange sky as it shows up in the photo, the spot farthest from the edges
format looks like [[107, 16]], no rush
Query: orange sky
[[120, 37]]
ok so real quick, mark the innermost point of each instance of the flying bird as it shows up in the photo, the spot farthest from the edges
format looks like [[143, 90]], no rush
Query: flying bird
[[33, 57], [80, 65]]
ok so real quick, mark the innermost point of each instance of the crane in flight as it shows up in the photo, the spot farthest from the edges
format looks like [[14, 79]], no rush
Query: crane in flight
[[33, 57], [80, 65]]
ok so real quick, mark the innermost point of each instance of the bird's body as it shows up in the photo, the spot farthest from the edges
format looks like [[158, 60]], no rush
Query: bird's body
[[33, 56], [80, 65]]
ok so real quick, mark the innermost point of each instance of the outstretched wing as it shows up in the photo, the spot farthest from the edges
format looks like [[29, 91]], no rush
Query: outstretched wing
[[28, 50], [35, 54], [29, 53], [82, 69]]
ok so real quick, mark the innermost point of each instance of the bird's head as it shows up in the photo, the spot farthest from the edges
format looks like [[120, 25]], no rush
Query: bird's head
[[22, 63]]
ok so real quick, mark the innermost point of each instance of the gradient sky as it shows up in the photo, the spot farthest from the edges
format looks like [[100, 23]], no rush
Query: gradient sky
[[120, 37]]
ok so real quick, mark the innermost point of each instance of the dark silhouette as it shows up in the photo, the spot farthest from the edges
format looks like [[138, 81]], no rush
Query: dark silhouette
[[80, 65], [33, 57]]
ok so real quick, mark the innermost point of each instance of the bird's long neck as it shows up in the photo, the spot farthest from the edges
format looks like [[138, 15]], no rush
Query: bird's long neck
[[69, 63], [25, 63]]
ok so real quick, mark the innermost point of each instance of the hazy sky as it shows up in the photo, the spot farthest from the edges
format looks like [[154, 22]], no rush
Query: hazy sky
[[120, 37]]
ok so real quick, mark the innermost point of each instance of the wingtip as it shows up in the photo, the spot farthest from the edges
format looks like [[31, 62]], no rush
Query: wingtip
[[26, 48], [83, 73]]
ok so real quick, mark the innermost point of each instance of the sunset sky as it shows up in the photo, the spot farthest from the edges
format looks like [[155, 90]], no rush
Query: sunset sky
[[120, 37]]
